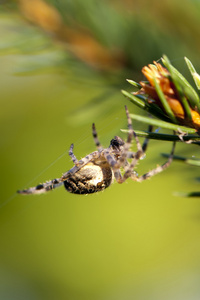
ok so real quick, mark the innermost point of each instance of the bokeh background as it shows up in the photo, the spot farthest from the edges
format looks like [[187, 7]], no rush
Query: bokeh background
[[63, 64]]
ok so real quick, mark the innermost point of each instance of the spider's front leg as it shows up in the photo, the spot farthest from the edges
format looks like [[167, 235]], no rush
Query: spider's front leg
[[122, 161], [131, 134], [129, 170]]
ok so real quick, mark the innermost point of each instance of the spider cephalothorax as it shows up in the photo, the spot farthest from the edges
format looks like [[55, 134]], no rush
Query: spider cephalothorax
[[117, 143], [96, 171]]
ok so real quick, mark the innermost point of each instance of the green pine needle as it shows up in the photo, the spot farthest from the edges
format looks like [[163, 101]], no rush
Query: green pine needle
[[193, 72], [165, 137], [134, 83], [163, 124], [164, 102], [189, 161]]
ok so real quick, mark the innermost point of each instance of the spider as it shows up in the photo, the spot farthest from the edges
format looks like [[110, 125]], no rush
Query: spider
[[96, 171]]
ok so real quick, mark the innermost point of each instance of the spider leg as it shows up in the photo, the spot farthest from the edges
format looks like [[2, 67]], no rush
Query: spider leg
[[71, 154], [156, 170], [115, 166], [43, 187], [132, 132], [116, 169], [135, 156], [130, 154], [126, 153], [146, 141], [144, 148], [95, 137]]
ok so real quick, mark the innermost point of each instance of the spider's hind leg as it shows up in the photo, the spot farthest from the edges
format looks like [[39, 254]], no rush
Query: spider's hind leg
[[43, 187], [158, 169]]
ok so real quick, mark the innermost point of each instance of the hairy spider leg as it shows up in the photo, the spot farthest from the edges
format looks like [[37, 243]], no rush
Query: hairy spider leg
[[43, 187], [141, 149], [132, 132], [158, 169], [114, 164], [126, 153], [95, 137], [71, 154], [129, 168], [146, 141], [145, 144]]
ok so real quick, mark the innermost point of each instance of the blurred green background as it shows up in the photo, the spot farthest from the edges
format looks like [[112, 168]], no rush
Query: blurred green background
[[63, 64]]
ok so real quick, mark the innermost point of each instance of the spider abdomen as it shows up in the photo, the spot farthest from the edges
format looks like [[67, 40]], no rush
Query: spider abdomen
[[91, 178]]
